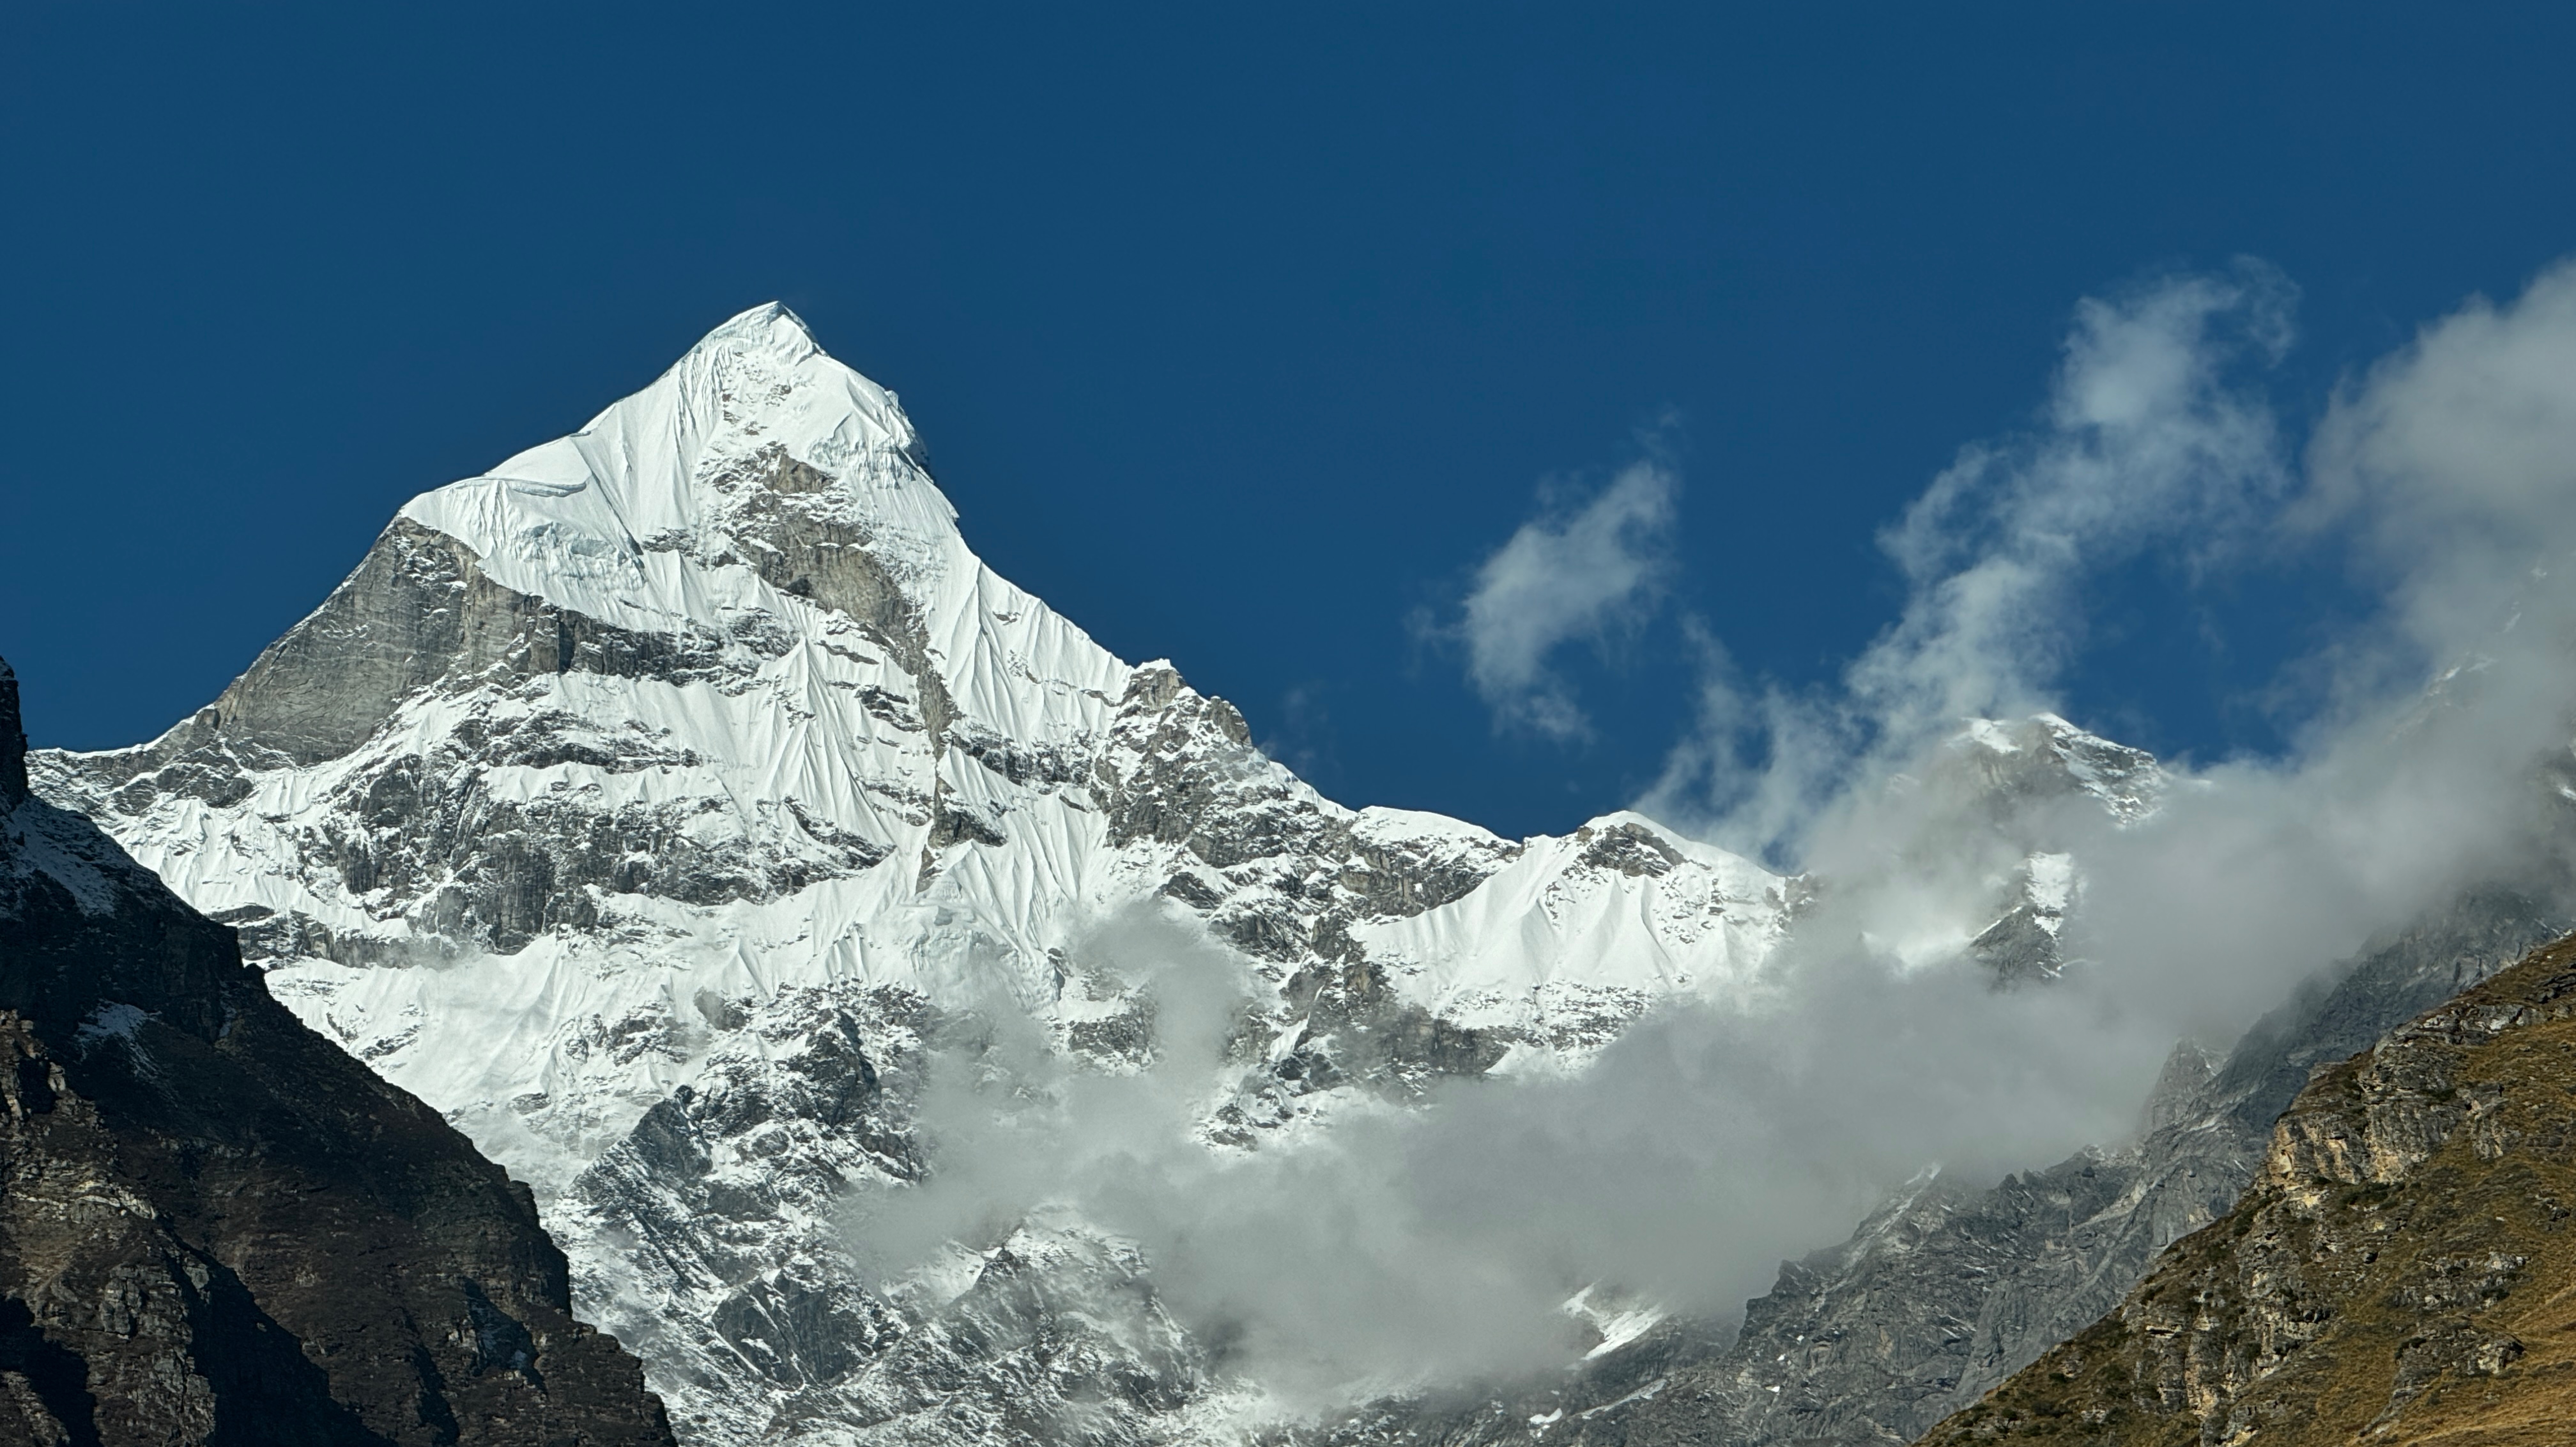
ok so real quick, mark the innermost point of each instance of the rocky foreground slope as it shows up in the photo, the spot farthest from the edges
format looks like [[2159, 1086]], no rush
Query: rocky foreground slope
[[2402, 1269], [216, 1227]]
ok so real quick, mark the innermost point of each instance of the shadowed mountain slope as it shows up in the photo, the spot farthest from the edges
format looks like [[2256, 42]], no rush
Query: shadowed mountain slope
[[216, 1227]]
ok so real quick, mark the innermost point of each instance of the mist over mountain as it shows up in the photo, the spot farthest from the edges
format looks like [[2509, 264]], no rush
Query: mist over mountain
[[917, 1023]]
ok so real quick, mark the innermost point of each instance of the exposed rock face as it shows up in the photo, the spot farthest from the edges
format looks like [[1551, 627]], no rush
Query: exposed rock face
[[217, 1227], [2044, 756], [1951, 1287], [2398, 1271], [421, 833]]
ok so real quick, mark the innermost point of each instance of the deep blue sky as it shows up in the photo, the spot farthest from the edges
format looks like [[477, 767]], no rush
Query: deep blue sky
[[1239, 337]]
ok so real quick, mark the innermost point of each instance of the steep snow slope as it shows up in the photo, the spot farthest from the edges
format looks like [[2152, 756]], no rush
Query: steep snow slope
[[1579, 935], [656, 803]]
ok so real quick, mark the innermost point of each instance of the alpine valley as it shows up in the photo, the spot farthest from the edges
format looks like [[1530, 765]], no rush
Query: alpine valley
[[677, 805]]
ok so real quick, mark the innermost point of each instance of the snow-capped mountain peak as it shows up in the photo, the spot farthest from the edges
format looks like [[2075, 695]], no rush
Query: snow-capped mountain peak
[[657, 802], [755, 419], [2043, 755]]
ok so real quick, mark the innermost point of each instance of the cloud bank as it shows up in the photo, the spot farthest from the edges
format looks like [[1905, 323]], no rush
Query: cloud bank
[[1433, 1244], [1404, 1247]]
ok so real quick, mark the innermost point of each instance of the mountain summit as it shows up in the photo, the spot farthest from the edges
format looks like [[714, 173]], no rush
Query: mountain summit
[[651, 802], [659, 803]]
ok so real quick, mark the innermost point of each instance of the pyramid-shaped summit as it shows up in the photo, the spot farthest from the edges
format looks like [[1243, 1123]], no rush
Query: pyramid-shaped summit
[[755, 421], [717, 777], [770, 324]]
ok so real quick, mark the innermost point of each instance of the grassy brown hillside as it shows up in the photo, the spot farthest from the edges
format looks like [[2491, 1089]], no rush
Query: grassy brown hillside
[[2403, 1270]]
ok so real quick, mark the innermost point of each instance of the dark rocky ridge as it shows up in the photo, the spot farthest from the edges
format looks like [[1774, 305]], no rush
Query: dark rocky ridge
[[215, 1227]]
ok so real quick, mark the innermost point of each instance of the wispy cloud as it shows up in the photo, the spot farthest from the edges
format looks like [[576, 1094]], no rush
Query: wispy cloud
[[1711, 1141], [2455, 457], [2155, 435], [1586, 569], [2435, 727]]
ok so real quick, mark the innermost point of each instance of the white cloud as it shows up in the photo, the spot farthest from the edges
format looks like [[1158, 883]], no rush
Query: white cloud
[[1709, 1143], [2456, 459], [1566, 576], [2439, 728], [2153, 438]]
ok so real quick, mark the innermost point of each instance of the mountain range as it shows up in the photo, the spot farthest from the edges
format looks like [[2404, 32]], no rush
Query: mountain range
[[681, 806]]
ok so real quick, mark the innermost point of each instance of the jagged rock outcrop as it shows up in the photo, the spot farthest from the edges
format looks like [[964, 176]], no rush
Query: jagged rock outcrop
[[217, 1227], [2398, 1271]]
